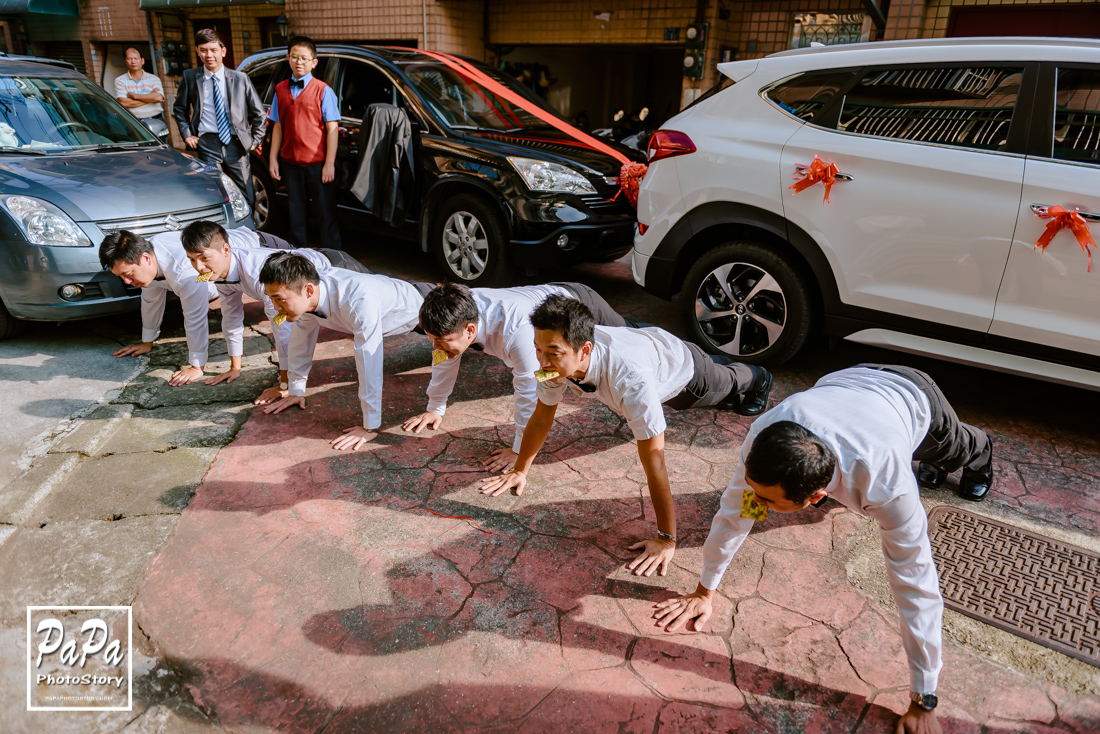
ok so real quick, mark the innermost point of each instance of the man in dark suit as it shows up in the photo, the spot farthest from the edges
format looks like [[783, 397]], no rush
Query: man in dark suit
[[219, 112]]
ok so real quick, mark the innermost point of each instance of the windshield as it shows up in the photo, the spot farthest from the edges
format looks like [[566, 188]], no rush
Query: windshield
[[463, 104], [59, 114]]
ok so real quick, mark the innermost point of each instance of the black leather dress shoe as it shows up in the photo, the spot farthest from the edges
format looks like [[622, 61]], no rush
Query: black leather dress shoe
[[930, 476], [976, 483], [755, 400]]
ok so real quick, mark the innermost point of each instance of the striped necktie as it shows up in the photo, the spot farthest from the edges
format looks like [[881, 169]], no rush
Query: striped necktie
[[225, 132]]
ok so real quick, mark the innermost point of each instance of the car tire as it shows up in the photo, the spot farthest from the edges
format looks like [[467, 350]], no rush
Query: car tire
[[470, 242], [265, 214], [10, 327], [764, 304]]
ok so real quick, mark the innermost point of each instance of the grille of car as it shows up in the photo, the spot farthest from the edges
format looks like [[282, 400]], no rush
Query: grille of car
[[92, 291], [151, 225], [600, 203]]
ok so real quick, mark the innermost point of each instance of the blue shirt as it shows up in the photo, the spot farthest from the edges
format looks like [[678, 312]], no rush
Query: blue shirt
[[330, 110]]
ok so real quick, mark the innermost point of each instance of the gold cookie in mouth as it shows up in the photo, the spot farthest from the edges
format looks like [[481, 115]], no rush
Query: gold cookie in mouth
[[544, 375], [279, 319], [438, 355], [751, 509], [203, 277]]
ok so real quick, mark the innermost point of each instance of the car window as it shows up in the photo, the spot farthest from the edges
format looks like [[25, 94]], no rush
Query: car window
[[970, 107], [362, 84], [806, 94], [465, 104], [1077, 116], [261, 77]]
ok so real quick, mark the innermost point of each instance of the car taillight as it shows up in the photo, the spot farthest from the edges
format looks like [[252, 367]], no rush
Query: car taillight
[[669, 143]]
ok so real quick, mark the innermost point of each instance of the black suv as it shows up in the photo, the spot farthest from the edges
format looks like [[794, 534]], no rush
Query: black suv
[[496, 189]]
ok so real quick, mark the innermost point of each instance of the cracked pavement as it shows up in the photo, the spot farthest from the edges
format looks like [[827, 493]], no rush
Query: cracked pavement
[[295, 588]]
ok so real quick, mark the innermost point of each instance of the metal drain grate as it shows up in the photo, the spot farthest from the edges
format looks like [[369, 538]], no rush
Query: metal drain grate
[[1036, 587]]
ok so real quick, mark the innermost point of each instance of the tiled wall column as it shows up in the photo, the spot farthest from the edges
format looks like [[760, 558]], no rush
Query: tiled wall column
[[904, 20]]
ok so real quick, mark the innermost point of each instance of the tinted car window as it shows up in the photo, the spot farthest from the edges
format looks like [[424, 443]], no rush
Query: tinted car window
[[969, 107], [360, 85], [1077, 116], [261, 77], [461, 104], [806, 94]]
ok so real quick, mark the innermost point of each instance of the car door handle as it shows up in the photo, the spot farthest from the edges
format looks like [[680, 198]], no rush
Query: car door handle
[[1043, 210], [839, 176]]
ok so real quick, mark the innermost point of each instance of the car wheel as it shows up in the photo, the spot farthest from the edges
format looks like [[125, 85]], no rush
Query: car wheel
[[10, 327], [265, 214], [746, 301], [470, 240]]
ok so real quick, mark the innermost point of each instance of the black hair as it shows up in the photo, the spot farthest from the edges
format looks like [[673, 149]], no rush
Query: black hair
[[289, 269], [447, 310], [128, 49], [123, 246], [199, 236], [208, 35], [567, 316], [788, 455], [302, 41]]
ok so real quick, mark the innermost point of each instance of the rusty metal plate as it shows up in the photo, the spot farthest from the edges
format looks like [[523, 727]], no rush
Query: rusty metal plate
[[1035, 587]]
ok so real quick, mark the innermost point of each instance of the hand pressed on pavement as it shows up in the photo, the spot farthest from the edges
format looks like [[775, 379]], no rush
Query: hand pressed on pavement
[[918, 721], [353, 438], [655, 554], [418, 423], [502, 460], [226, 377], [498, 485], [675, 613], [185, 376], [271, 394], [134, 350], [283, 403]]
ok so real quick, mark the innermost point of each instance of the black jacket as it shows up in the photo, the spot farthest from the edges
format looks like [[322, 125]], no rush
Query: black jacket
[[246, 110], [384, 182]]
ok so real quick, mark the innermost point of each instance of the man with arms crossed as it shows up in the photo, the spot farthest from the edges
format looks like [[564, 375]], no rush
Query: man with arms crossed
[[498, 321], [236, 272], [159, 265], [138, 91], [634, 372], [853, 437], [367, 306]]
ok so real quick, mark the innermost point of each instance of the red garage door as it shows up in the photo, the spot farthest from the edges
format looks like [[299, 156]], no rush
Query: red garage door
[[1076, 21]]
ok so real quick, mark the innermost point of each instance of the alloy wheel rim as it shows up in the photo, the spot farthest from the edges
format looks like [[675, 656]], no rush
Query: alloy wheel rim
[[260, 205], [741, 309], [465, 245]]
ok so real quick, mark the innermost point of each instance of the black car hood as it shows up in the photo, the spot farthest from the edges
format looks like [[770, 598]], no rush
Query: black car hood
[[113, 185], [554, 145]]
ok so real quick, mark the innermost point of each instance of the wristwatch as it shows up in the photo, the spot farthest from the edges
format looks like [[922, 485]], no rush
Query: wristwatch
[[284, 385], [926, 701]]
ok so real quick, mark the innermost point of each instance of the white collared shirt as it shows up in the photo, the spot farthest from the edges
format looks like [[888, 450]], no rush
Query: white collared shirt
[[504, 331], [634, 371], [367, 306], [873, 421], [208, 121], [175, 273], [245, 263]]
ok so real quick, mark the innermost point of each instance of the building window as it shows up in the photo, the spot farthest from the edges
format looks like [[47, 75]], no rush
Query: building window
[[830, 29]]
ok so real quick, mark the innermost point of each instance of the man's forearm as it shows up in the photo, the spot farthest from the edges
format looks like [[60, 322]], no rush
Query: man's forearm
[[147, 98], [276, 142], [129, 103], [330, 148], [535, 435], [652, 453]]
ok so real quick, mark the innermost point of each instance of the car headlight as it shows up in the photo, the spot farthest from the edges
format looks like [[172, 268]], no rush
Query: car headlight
[[546, 176], [241, 209], [43, 223]]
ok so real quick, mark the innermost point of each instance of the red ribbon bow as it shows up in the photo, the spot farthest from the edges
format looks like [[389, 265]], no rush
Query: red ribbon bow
[[630, 177], [807, 176], [1061, 218]]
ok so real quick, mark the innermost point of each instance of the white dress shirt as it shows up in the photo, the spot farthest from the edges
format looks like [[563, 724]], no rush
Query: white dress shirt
[[243, 278], [208, 121], [175, 273], [873, 421], [634, 371], [504, 331], [367, 306]]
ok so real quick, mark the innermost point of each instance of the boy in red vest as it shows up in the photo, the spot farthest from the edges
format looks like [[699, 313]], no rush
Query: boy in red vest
[[303, 144]]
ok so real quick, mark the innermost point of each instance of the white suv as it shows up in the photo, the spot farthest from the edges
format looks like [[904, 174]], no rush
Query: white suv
[[949, 154]]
